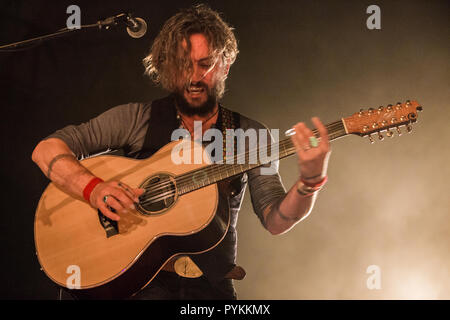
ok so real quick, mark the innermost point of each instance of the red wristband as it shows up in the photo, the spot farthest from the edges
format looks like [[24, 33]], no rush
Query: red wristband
[[317, 184], [89, 187]]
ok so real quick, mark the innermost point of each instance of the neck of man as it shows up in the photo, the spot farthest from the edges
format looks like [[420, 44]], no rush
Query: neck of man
[[207, 120]]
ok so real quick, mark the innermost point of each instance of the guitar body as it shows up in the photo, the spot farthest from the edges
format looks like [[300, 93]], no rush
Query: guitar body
[[70, 237]]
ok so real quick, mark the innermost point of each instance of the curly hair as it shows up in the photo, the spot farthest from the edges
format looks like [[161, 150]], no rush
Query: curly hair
[[168, 60]]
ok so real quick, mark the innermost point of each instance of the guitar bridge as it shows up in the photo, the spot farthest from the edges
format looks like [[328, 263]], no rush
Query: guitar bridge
[[111, 227]]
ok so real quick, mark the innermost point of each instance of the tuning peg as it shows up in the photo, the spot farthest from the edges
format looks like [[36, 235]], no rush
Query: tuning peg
[[389, 107], [380, 136], [371, 139], [389, 133], [398, 131], [360, 112], [409, 128]]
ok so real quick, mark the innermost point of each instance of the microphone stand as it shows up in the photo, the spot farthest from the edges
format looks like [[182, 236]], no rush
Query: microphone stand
[[106, 24]]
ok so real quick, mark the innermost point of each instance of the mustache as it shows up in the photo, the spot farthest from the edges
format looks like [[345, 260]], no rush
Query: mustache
[[198, 84]]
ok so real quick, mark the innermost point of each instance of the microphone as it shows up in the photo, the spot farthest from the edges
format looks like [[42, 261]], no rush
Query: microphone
[[136, 27]]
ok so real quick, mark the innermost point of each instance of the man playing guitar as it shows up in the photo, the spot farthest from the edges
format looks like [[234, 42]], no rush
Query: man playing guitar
[[190, 58]]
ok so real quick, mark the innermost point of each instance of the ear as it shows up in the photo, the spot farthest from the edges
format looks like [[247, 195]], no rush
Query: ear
[[226, 68]]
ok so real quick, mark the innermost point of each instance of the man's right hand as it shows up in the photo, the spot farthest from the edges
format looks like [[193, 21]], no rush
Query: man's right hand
[[116, 195]]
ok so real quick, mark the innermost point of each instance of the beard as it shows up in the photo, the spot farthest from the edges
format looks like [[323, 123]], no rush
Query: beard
[[199, 110]]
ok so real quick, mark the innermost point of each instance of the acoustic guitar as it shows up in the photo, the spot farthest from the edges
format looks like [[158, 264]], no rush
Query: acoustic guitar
[[94, 257]]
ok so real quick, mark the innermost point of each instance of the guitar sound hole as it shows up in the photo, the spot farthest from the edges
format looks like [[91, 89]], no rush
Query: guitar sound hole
[[159, 196]]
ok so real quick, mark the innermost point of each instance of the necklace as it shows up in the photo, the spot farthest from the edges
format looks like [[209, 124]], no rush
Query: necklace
[[203, 122]]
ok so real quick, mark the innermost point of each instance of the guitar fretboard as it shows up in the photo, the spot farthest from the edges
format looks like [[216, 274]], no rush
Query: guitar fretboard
[[238, 164]]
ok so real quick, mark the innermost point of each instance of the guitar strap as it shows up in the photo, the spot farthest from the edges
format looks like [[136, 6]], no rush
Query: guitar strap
[[227, 119]]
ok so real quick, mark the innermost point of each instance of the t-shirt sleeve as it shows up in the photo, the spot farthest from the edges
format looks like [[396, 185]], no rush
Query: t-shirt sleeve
[[120, 127], [264, 182]]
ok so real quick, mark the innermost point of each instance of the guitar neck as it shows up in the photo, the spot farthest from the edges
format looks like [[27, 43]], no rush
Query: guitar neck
[[216, 172]]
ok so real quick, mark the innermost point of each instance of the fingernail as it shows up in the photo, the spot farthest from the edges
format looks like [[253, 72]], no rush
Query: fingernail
[[132, 207]]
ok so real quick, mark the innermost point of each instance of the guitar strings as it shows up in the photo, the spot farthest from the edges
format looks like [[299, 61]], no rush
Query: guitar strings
[[239, 156], [154, 194], [331, 127], [335, 128], [218, 168]]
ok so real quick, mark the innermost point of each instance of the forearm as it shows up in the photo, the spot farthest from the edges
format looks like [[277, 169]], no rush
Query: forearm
[[59, 164], [285, 213], [313, 157]]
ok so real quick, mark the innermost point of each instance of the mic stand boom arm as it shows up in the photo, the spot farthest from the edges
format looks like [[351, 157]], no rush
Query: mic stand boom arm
[[108, 22]]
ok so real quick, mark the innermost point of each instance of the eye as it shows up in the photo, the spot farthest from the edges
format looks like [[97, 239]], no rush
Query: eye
[[205, 65]]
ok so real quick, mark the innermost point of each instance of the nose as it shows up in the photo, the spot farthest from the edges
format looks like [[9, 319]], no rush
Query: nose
[[198, 74]]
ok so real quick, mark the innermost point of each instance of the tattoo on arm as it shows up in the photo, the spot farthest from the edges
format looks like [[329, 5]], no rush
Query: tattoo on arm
[[275, 210], [282, 215], [58, 157]]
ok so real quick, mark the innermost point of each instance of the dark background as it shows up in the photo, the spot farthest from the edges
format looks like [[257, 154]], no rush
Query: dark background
[[385, 204]]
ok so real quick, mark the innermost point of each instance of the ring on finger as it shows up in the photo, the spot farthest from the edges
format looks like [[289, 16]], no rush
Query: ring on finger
[[313, 142], [105, 198]]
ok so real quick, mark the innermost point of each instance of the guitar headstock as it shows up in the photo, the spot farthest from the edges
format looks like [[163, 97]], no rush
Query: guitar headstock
[[366, 123]]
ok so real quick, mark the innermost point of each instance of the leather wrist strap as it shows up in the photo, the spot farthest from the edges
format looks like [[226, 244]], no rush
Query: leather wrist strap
[[89, 187], [306, 189]]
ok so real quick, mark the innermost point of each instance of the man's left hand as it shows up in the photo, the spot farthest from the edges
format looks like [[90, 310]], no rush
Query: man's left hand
[[312, 154]]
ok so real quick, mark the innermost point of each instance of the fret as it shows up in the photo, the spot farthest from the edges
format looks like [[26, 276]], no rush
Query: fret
[[221, 175], [283, 147]]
